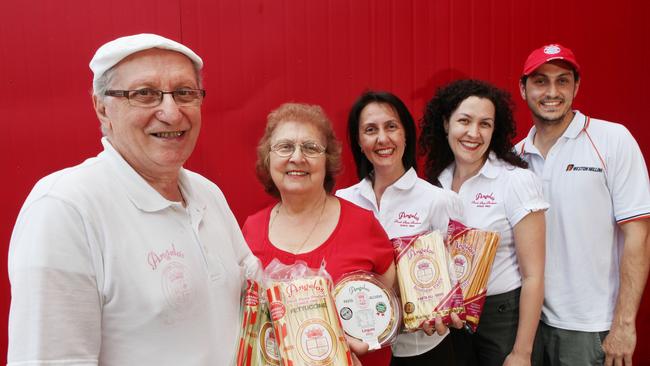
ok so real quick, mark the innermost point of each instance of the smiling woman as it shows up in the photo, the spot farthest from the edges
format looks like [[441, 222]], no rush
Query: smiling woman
[[382, 140], [298, 159], [467, 133]]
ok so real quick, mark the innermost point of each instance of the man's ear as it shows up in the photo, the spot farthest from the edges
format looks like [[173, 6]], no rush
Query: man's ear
[[522, 90], [100, 111]]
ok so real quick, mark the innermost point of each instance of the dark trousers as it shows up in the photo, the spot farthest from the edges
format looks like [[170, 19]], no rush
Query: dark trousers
[[496, 333], [440, 355], [561, 347]]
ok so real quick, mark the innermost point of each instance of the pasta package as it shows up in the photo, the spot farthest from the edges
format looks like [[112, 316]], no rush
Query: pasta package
[[257, 345], [305, 321], [368, 309], [428, 287], [472, 253]]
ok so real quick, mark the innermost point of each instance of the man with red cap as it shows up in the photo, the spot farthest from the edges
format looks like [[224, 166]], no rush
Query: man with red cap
[[596, 180]]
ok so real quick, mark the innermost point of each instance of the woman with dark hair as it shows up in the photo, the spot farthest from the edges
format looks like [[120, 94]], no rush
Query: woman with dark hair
[[383, 142], [467, 133], [297, 161]]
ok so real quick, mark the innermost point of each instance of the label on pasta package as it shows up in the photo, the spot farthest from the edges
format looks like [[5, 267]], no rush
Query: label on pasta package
[[307, 328]]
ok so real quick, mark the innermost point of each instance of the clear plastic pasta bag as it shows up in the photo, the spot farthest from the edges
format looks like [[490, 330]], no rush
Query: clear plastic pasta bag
[[257, 345], [427, 282], [368, 309], [472, 252], [307, 328]]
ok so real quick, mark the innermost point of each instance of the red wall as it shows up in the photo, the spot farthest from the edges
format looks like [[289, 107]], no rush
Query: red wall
[[260, 53]]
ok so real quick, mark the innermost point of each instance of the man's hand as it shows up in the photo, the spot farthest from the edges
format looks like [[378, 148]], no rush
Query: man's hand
[[517, 359], [619, 345]]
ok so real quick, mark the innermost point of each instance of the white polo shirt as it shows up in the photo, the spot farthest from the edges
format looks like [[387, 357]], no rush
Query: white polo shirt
[[409, 206], [595, 178], [104, 270], [496, 199]]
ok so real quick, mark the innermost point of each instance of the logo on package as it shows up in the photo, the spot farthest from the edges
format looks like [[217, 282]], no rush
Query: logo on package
[[573, 168]]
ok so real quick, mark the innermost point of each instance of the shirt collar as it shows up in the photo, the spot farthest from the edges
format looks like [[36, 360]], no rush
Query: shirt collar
[[576, 126], [489, 170], [572, 131], [141, 193], [405, 182]]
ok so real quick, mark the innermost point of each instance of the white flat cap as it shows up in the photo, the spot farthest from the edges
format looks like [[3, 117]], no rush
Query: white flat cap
[[114, 51]]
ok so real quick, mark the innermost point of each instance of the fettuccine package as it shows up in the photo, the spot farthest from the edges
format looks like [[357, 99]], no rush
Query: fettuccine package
[[307, 328]]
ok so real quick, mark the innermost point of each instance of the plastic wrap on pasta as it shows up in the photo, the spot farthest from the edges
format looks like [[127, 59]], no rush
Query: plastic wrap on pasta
[[257, 346], [307, 328], [368, 309], [428, 287], [472, 253]]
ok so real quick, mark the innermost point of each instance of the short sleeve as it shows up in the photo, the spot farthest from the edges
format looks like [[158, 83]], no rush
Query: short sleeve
[[523, 195], [55, 310], [628, 179]]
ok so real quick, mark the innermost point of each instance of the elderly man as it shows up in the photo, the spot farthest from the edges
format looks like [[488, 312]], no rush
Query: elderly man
[[129, 259], [596, 180]]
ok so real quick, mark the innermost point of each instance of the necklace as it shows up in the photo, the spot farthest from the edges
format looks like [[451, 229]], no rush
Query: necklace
[[320, 216]]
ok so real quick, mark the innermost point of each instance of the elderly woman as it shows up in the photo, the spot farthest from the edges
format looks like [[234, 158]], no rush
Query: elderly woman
[[298, 159], [467, 133], [383, 143]]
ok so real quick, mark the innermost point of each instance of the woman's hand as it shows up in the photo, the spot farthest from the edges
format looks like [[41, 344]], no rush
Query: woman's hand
[[439, 327], [357, 347]]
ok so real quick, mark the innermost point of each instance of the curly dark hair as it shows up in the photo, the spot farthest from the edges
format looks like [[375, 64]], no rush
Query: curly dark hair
[[302, 113], [364, 166], [433, 139]]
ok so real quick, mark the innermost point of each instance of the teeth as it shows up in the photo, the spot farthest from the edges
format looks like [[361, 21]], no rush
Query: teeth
[[551, 104], [384, 151], [169, 134], [297, 173], [471, 145]]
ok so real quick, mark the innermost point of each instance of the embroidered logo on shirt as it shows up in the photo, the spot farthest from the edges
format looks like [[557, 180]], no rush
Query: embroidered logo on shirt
[[155, 259], [405, 219], [177, 286], [484, 200], [573, 168]]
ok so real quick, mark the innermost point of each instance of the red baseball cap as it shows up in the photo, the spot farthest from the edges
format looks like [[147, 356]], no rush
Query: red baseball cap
[[548, 53]]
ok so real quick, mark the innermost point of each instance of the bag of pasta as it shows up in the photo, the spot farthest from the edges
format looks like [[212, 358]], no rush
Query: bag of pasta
[[307, 328], [257, 346], [472, 252], [428, 287]]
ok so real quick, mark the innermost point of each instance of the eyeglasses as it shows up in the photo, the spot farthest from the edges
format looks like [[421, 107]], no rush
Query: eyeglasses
[[309, 149], [148, 97]]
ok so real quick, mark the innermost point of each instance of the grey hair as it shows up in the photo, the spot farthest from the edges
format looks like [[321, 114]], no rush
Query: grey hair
[[100, 86]]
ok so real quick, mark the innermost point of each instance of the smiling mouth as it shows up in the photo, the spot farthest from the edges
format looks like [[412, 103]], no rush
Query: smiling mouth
[[385, 152], [169, 135], [551, 103], [470, 145], [297, 173]]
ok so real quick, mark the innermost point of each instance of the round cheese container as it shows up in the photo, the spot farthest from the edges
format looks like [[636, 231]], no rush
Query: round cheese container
[[369, 311]]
